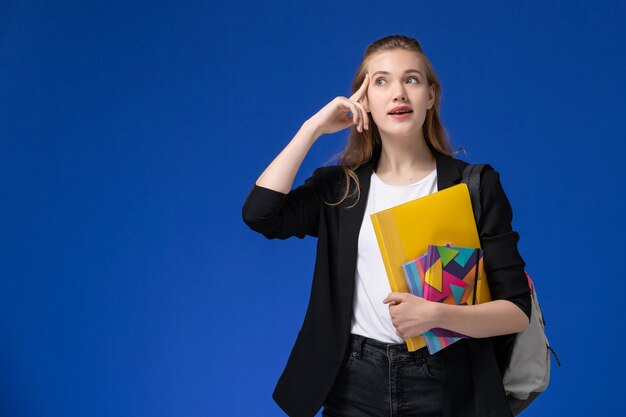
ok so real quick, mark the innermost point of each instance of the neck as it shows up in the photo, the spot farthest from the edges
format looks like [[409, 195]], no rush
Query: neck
[[403, 158]]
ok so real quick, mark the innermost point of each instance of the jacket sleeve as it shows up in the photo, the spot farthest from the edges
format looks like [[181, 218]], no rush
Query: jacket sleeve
[[504, 265], [279, 216]]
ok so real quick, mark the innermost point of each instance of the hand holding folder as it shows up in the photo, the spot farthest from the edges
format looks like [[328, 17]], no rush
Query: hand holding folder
[[445, 274], [404, 233]]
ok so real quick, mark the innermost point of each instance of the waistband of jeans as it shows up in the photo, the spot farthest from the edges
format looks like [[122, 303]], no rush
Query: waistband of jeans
[[361, 344]]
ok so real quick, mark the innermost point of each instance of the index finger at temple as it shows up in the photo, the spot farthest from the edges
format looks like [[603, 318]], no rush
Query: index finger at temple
[[361, 91]]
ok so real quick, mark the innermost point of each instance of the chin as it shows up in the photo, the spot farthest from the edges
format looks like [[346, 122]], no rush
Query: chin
[[400, 131]]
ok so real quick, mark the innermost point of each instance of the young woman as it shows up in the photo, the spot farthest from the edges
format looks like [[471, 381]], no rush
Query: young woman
[[350, 356]]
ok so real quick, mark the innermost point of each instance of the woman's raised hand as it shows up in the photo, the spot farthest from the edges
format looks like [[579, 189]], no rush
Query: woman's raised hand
[[334, 116]]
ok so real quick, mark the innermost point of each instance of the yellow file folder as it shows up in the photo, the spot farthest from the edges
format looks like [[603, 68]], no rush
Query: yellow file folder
[[405, 231]]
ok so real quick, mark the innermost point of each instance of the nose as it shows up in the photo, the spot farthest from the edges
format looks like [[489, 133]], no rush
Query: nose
[[399, 93]]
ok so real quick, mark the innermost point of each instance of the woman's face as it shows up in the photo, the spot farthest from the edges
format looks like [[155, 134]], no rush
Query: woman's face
[[398, 78]]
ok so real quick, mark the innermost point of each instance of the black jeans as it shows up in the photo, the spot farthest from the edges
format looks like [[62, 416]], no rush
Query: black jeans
[[381, 379]]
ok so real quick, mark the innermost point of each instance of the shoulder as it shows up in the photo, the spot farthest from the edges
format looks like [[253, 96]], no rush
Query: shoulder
[[491, 189], [327, 176], [328, 173], [460, 163], [327, 179], [489, 176]]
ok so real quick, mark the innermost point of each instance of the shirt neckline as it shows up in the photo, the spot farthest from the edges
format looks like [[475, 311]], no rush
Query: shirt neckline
[[427, 177]]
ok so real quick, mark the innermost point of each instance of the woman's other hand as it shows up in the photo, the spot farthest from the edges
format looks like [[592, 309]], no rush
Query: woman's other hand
[[411, 315], [334, 116]]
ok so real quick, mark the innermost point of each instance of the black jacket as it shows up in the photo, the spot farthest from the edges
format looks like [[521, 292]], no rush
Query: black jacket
[[473, 382]]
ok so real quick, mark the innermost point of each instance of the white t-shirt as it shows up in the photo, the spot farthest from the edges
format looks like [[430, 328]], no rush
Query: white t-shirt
[[370, 316]]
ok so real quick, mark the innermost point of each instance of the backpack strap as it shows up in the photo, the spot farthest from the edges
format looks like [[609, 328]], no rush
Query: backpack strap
[[502, 345], [471, 177]]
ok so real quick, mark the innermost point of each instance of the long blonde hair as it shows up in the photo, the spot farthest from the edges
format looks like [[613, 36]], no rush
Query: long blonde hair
[[361, 146]]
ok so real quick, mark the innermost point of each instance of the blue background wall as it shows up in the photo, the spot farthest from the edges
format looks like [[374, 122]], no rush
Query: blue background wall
[[131, 133]]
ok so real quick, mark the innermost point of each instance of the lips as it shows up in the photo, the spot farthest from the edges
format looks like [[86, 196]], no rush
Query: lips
[[401, 110]]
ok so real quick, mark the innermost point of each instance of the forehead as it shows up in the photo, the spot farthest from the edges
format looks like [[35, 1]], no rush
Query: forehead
[[394, 61]]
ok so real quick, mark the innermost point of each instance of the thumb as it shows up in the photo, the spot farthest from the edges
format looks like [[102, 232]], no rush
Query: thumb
[[394, 297]]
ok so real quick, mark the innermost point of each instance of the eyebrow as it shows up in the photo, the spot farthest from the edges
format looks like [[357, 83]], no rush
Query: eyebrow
[[406, 72]]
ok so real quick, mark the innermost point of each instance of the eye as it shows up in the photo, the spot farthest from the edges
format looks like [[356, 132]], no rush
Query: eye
[[410, 78]]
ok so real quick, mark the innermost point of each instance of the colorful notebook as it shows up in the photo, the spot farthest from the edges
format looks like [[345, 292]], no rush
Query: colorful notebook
[[404, 232], [446, 274]]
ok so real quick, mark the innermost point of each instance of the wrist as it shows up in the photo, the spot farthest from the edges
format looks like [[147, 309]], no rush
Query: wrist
[[438, 314], [312, 128]]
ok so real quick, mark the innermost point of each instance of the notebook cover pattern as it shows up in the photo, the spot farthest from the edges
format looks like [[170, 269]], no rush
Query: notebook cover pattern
[[446, 274]]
